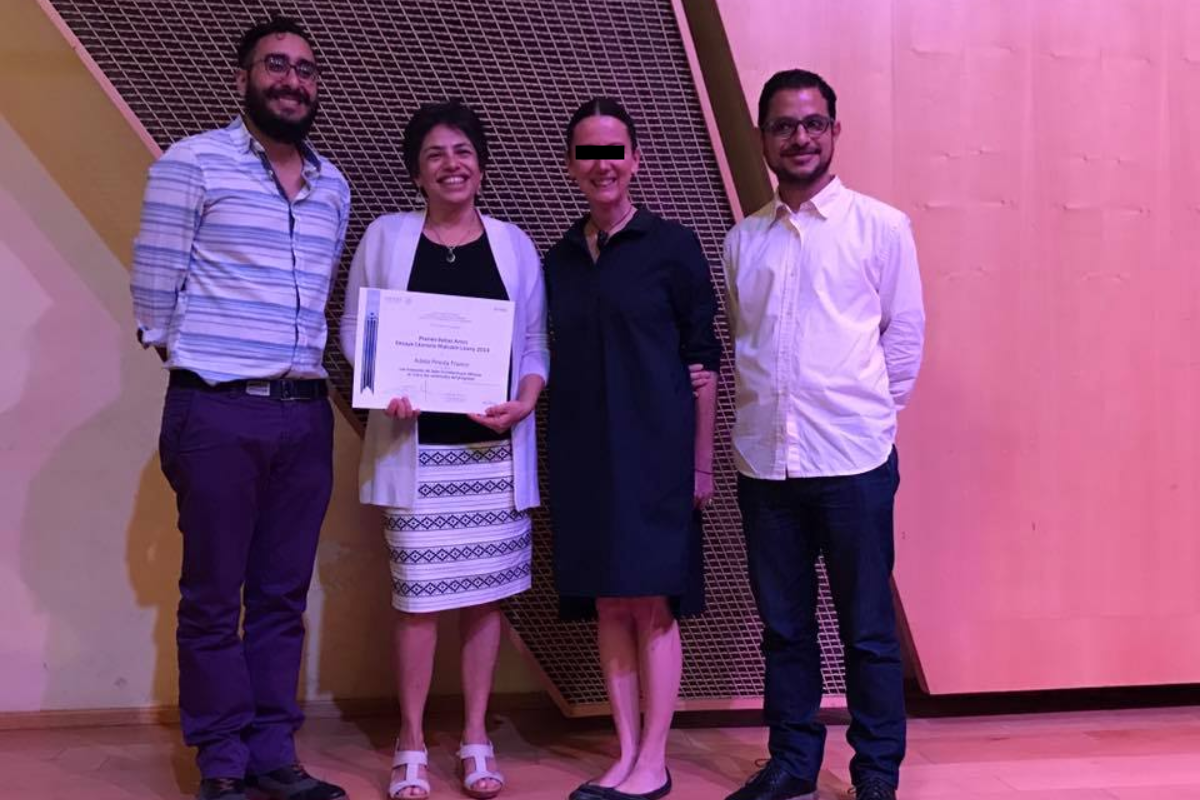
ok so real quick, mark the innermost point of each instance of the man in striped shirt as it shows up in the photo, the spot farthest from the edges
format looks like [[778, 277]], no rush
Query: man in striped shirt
[[241, 234]]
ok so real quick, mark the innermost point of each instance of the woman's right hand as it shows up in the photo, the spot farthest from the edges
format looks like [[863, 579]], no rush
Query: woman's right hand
[[401, 409]]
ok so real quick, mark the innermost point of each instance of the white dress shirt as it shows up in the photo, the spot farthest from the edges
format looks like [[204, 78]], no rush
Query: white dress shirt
[[828, 324]]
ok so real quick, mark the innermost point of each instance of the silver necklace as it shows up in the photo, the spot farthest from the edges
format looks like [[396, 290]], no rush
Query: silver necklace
[[442, 239]]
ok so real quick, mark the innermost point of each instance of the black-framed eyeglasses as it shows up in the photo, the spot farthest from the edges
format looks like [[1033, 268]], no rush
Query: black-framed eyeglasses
[[278, 65], [785, 127]]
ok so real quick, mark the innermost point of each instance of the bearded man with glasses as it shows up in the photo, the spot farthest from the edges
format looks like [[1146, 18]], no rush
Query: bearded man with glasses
[[826, 313], [242, 230]]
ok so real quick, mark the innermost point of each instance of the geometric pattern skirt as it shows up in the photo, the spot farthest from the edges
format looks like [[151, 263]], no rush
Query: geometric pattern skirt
[[463, 543]]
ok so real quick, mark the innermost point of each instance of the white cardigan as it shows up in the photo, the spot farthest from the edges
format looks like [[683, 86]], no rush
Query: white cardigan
[[387, 474]]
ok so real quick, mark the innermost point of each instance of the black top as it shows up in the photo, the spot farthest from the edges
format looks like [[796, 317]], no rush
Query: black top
[[473, 274], [621, 427]]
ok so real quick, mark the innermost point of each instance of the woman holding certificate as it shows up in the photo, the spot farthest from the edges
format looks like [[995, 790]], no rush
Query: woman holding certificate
[[456, 488], [630, 446]]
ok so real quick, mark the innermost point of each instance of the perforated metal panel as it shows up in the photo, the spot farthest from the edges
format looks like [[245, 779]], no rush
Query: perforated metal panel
[[525, 65]]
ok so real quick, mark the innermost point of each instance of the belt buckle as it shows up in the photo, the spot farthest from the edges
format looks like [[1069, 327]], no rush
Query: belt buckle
[[258, 388]]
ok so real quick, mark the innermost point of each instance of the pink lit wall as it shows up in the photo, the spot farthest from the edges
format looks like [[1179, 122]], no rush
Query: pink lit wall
[[1049, 155]]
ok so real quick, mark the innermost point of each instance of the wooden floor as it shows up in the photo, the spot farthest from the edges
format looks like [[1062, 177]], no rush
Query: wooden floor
[[1150, 754]]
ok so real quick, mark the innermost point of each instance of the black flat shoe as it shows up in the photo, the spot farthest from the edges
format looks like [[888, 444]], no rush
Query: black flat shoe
[[655, 794], [587, 791]]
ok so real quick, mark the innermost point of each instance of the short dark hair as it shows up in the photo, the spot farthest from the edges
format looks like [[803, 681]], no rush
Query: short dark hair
[[601, 107], [794, 79], [256, 32], [452, 114]]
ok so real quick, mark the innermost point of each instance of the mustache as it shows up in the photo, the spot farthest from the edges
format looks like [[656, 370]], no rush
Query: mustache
[[799, 151], [297, 94]]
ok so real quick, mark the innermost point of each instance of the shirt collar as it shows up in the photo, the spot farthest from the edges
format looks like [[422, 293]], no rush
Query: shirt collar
[[641, 221], [244, 141], [826, 204]]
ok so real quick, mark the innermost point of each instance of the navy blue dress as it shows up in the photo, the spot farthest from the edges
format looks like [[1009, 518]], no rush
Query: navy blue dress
[[621, 428]]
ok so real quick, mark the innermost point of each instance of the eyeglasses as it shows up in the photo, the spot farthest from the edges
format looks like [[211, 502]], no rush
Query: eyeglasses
[[785, 127], [278, 65]]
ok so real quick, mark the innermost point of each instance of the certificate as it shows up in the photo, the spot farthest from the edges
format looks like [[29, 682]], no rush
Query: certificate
[[443, 353]]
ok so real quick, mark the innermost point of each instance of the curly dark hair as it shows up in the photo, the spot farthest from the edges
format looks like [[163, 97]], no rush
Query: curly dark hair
[[256, 32], [452, 114]]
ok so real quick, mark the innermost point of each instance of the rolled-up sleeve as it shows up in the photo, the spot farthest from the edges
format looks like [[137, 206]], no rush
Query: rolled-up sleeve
[[171, 213], [695, 304], [343, 226], [902, 325]]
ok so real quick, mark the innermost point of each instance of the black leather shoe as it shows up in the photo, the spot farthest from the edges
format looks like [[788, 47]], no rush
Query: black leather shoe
[[874, 789], [293, 783], [654, 794], [221, 789], [773, 782]]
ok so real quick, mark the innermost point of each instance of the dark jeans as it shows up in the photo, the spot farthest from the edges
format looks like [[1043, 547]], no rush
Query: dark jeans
[[252, 478], [848, 520]]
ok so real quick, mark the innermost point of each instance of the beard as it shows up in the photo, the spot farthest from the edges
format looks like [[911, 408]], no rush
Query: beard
[[290, 131], [805, 178]]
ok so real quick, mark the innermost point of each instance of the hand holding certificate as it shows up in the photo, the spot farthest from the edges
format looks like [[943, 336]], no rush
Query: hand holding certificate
[[444, 353]]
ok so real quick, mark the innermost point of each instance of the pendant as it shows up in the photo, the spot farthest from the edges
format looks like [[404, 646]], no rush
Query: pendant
[[449, 255]]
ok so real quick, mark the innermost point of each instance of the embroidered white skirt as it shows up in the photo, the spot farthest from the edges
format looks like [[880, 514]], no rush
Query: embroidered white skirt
[[463, 543]]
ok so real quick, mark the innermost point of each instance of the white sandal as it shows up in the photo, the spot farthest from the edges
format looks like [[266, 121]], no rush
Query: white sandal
[[411, 760], [479, 753]]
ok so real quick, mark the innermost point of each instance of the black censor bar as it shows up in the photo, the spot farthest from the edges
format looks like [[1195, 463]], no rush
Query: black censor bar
[[595, 151]]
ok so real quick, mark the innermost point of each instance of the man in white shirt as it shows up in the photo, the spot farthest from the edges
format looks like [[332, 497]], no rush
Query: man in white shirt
[[826, 313]]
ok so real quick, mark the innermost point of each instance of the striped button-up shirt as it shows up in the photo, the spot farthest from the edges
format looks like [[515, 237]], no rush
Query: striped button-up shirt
[[828, 323], [228, 274]]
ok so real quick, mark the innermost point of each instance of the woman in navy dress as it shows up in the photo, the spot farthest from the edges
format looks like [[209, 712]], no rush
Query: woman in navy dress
[[630, 446]]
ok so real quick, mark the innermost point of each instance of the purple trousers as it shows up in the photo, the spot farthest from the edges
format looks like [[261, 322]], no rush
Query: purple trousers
[[252, 478]]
